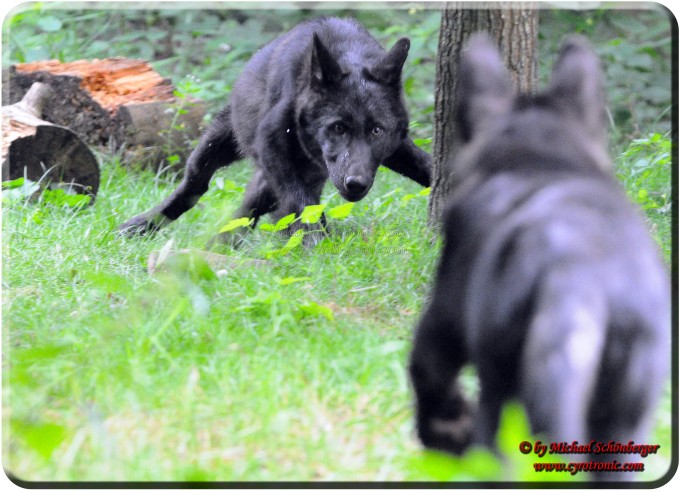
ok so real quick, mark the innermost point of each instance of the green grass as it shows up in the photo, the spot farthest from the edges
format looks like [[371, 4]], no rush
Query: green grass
[[236, 378], [295, 371]]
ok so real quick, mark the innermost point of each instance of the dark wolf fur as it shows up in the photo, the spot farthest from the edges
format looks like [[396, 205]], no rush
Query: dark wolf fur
[[322, 101], [549, 282]]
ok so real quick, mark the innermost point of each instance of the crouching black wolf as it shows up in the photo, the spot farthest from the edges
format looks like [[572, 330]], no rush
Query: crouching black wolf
[[322, 101], [549, 282]]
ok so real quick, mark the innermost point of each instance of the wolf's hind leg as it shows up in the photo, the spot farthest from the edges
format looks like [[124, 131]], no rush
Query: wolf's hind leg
[[259, 198], [217, 148]]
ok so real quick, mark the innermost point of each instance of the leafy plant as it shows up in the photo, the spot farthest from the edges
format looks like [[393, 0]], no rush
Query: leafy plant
[[645, 170], [19, 188], [22, 188]]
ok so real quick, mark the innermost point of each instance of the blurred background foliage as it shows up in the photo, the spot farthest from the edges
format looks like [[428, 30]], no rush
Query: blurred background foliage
[[206, 48]]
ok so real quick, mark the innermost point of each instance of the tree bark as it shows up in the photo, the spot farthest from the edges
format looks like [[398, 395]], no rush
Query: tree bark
[[514, 27]]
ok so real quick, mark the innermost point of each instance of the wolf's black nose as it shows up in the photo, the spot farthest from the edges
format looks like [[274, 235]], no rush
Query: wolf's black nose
[[356, 184]]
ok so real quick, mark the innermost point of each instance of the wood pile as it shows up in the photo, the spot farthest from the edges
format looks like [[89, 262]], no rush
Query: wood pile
[[116, 102]]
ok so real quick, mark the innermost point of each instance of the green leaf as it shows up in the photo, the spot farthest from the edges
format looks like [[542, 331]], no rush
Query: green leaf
[[14, 183], [18, 189], [480, 464], [60, 198], [294, 241], [513, 429], [43, 438], [281, 225], [314, 309], [236, 223], [312, 213], [341, 211], [284, 222], [422, 141], [292, 280], [476, 464]]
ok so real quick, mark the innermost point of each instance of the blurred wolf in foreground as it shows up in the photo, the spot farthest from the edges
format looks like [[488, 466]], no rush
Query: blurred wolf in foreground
[[323, 101], [549, 282]]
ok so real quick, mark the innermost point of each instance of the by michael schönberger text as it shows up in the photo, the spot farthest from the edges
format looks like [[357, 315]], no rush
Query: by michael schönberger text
[[593, 447]]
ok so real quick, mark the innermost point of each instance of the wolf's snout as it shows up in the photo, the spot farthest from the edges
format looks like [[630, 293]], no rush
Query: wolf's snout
[[357, 185]]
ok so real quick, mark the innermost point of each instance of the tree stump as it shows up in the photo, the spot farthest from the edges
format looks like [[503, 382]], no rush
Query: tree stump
[[43, 152], [116, 102]]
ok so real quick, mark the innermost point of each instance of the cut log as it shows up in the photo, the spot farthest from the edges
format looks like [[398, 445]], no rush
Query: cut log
[[117, 102], [43, 152]]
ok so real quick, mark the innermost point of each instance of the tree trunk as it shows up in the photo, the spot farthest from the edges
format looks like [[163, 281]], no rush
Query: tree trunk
[[43, 152], [118, 102], [514, 27]]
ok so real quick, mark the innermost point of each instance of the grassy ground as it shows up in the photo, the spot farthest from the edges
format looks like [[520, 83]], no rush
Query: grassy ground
[[293, 371]]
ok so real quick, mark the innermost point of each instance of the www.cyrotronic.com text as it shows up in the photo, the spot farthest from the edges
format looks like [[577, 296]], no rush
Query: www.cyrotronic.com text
[[589, 466]]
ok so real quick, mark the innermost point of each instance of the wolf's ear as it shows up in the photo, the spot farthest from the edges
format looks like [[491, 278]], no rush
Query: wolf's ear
[[485, 89], [325, 70], [388, 69], [576, 86]]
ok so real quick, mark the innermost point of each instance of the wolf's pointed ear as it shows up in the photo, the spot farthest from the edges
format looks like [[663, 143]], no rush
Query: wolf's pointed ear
[[577, 86], [485, 90], [325, 70], [388, 69]]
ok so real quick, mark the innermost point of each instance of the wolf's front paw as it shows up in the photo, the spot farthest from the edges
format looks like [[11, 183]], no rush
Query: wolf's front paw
[[448, 426], [141, 225]]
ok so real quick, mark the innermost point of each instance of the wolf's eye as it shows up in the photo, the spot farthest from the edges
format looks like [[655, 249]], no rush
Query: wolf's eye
[[376, 130], [339, 128]]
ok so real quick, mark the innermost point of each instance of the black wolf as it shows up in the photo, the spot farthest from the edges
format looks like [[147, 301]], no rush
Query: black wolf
[[549, 282], [322, 101]]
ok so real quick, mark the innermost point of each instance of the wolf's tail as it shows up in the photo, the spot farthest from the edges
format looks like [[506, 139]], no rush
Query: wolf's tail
[[217, 148], [562, 355]]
